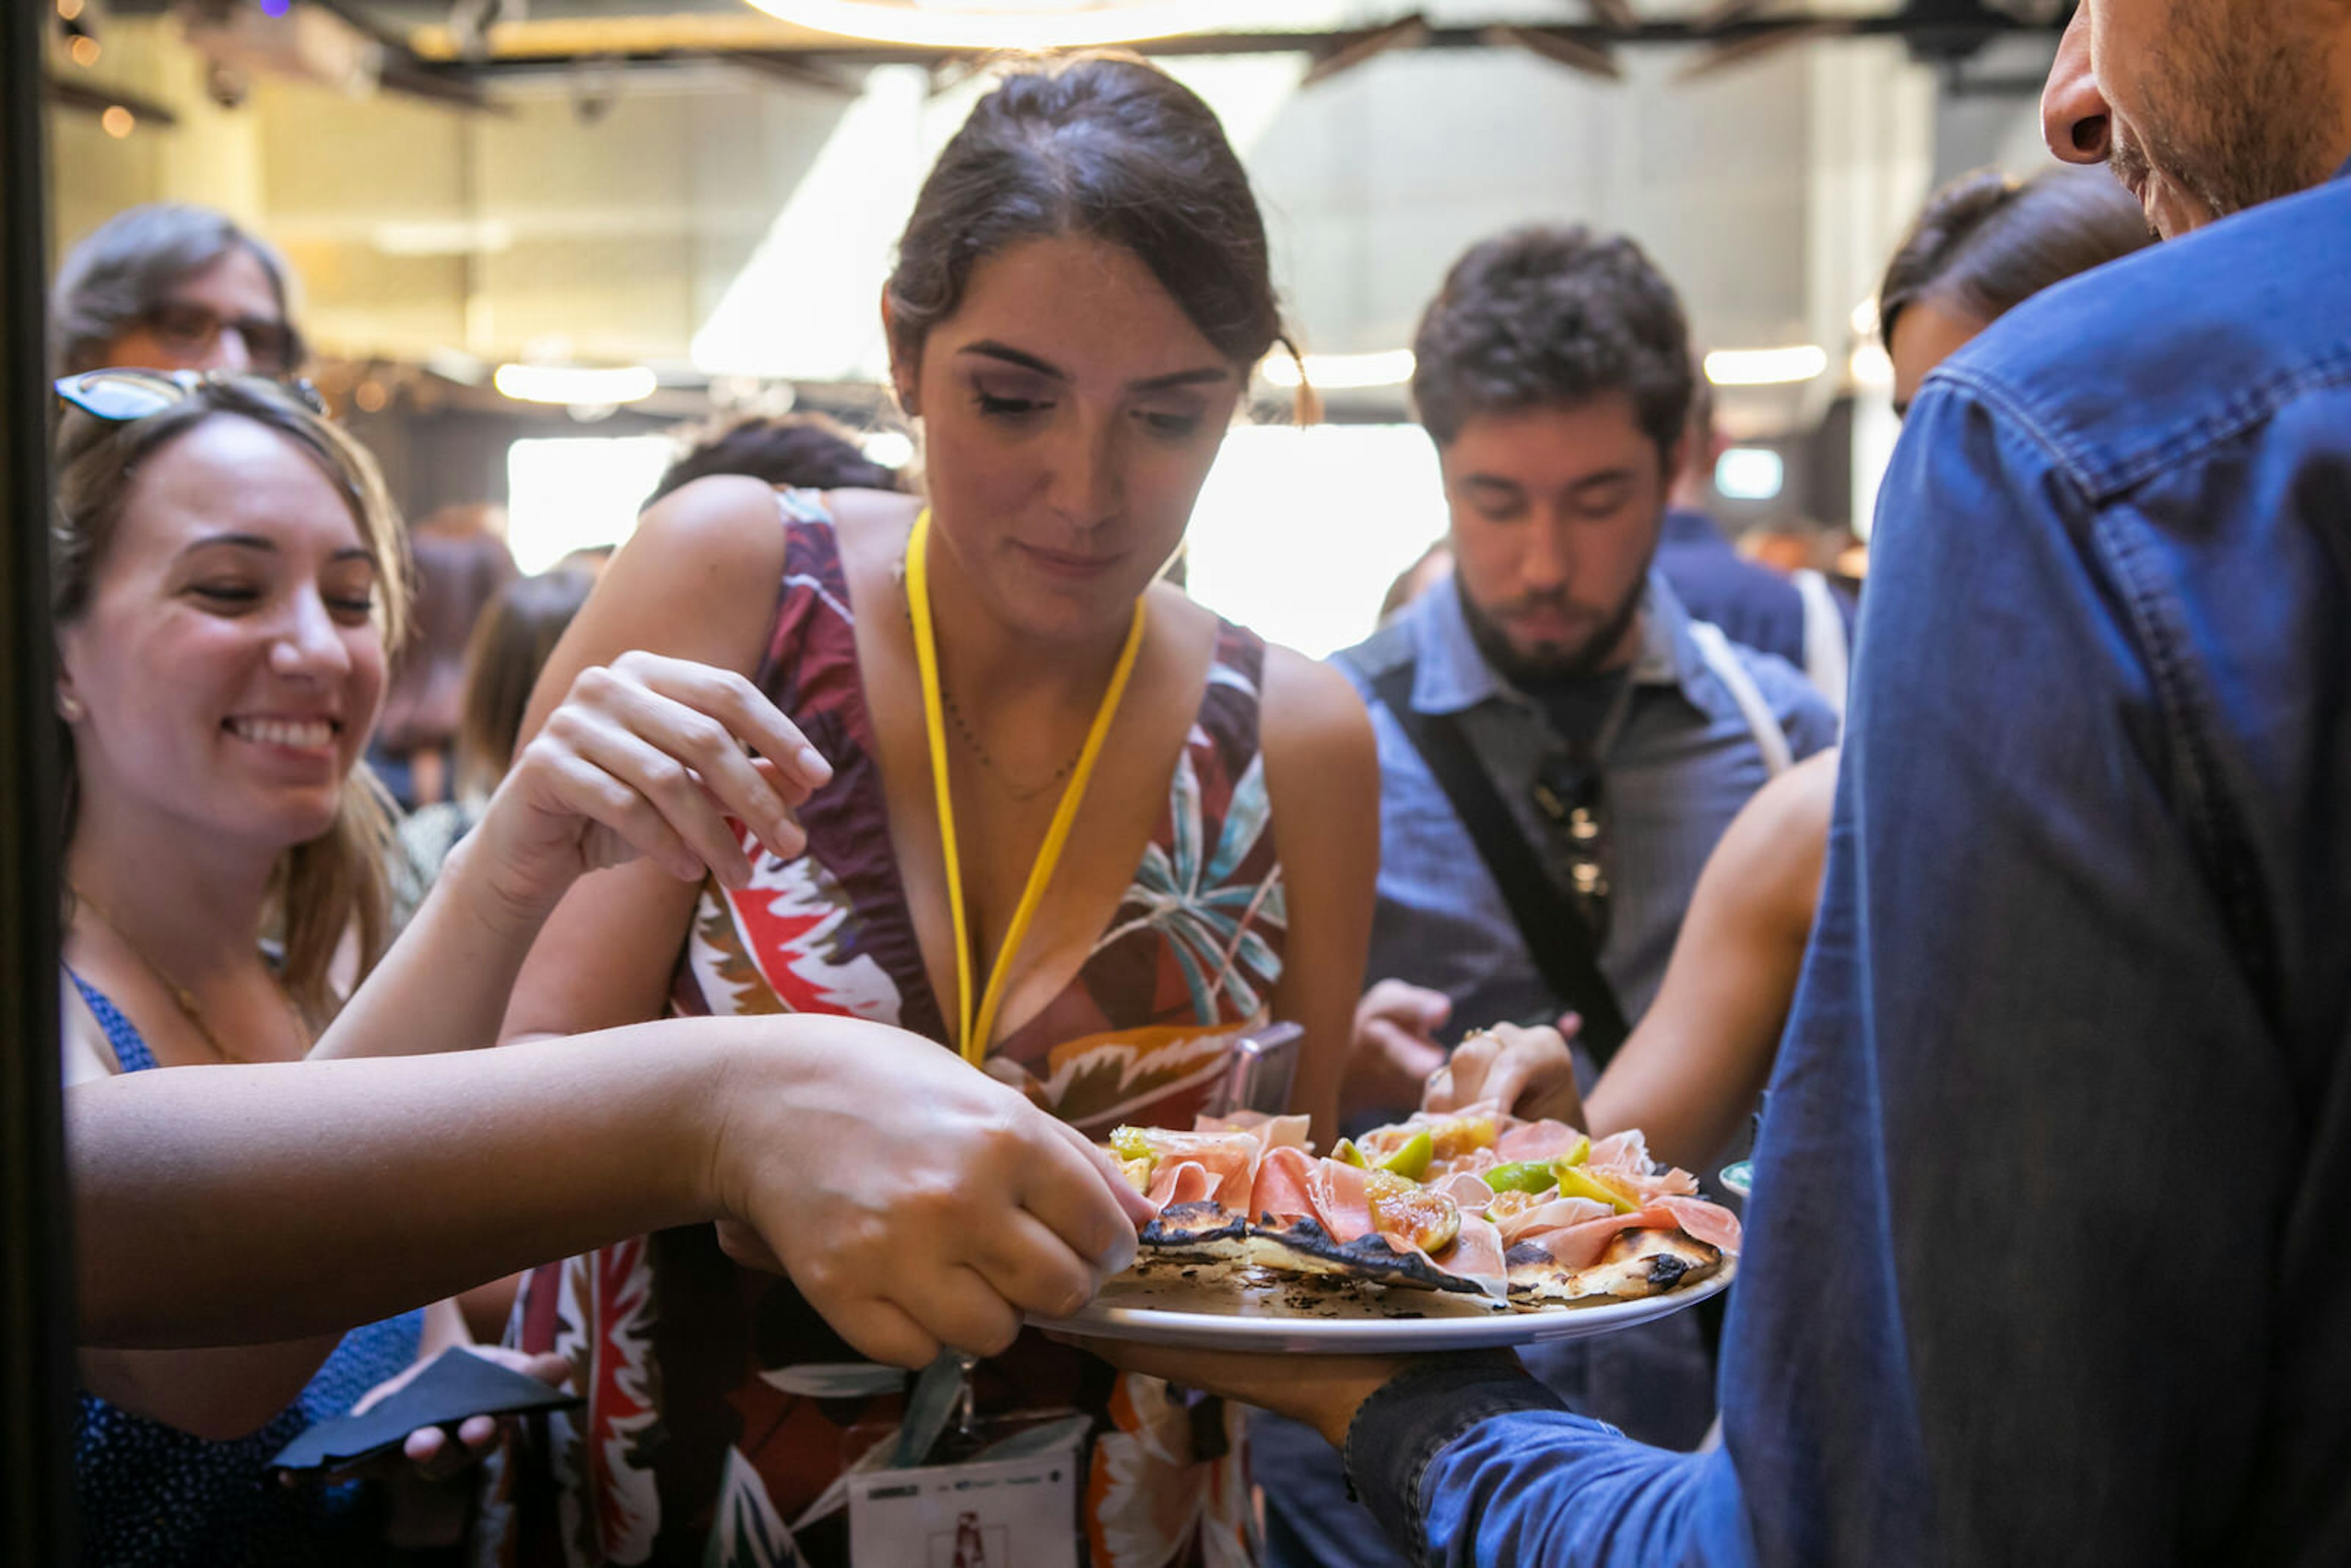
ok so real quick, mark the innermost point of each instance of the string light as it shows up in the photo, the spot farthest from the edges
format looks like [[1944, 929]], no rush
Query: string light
[[69, 10], [84, 50], [118, 121]]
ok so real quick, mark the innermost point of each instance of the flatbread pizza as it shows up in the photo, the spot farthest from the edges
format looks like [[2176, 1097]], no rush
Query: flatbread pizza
[[1531, 1216]]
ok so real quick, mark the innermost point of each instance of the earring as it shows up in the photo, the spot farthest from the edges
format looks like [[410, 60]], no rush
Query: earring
[[69, 708]]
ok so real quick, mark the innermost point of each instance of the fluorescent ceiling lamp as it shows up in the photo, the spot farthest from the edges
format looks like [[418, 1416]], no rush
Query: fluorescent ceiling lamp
[[576, 386], [1009, 26], [1341, 372], [1766, 367], [461, 237], [1751, 474]]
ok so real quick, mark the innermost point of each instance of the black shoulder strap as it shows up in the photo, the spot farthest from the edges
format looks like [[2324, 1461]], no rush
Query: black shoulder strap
[[1556, 936]]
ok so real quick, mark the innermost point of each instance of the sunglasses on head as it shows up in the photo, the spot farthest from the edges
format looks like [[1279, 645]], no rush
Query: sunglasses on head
[[193, 328], [121, 396]]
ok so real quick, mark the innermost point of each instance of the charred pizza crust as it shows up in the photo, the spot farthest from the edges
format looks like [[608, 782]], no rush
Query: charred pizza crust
[[1205, 1232], [1298, 1244], [1637, 1264]]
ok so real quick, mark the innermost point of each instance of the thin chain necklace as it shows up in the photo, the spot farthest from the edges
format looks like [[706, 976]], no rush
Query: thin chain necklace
[[1018, 792], [184, 998]]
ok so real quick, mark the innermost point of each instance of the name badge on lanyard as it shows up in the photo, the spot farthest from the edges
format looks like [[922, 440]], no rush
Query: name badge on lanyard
[[1012, 1513]]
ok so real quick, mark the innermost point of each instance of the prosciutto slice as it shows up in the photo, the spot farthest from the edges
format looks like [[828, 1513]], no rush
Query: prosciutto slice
[[1274, 1132], [1337, 1196], [1219, 1167], [1576, 1230], [1537, 1141]]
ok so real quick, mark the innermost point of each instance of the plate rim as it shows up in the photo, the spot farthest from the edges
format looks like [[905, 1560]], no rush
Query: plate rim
[[1368, 1336]]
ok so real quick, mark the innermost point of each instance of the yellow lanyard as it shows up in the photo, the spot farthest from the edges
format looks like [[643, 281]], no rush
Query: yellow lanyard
[[975, 1032]]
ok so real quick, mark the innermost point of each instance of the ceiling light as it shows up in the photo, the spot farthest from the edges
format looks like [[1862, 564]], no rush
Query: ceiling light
[[1751, 474], [1766, 367], [1009, 26], [84, 50], [1872, 366], [1341, 372], [433, 237], [118, 121], [576, 385], [1864, 319]]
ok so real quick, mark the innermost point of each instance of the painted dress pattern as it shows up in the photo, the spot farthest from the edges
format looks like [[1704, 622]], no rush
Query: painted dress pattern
[[720, 1412]]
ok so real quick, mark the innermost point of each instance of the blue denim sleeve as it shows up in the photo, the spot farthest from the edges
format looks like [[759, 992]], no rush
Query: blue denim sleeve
[[2083, 1109], [1470, 1461]]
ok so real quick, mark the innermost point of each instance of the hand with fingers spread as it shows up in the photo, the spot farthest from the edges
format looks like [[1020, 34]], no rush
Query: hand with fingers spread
[[1395, 1047], [914, 1201], [647, 757], [1529, 1071]]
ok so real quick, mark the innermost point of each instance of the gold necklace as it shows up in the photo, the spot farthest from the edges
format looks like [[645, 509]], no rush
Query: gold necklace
[[972, 743], [184, 998]]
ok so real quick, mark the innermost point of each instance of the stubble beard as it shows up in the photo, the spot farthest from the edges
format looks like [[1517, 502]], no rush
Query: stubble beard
[[2240, 109], [1589, 657]]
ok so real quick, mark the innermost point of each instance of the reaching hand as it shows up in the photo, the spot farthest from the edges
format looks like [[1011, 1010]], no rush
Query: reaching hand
[[1395, 1046], [914, 1201], [646, 757], [1529, 1071]]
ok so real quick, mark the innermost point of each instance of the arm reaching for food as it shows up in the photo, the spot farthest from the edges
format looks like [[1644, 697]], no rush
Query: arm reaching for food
[[211, 1209], [1695, 1063], [647, 759]]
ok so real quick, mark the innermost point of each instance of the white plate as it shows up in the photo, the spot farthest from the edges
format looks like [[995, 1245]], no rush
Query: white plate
[[1159, 1306]]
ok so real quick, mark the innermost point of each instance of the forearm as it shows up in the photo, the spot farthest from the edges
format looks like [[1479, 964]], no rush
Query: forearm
[[446, 982], [244, 1204]]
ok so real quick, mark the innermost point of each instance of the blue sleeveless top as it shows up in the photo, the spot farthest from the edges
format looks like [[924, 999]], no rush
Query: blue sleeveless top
[[151, 1496]]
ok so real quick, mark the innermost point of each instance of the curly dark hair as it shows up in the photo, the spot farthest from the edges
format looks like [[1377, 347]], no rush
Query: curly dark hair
[[1542, 317], [805, 450], [1105, 145], [1986, 243]]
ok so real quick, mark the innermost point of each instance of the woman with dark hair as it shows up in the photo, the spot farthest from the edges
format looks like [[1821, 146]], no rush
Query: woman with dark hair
[[1985, 244], [168, 286], [1069, 833]]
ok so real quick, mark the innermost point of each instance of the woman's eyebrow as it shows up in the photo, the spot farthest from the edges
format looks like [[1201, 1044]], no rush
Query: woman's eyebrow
[[991, 349], [235, 541]]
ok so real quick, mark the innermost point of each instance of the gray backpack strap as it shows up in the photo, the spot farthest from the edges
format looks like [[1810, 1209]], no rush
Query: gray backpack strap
[[1723, 660]]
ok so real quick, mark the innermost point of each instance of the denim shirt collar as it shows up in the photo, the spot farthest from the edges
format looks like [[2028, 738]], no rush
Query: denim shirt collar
[[1451, 676]]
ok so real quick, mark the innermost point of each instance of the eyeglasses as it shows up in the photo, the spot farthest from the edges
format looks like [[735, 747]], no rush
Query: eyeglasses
[[1571, 798], [193, 329], [121, 396]]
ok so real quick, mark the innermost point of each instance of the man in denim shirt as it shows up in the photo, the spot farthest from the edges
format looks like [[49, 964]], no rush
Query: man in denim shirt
[[2047, 1258]]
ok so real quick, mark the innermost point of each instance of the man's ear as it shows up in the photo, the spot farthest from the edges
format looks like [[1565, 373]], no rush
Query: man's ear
[[903, 376]]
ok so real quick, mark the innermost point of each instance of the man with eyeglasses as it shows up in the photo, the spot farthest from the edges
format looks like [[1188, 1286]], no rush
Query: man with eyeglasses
[[1561, 747], [169, 286]]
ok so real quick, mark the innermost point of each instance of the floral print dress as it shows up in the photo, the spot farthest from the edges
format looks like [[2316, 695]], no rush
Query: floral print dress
[[720, 1407]]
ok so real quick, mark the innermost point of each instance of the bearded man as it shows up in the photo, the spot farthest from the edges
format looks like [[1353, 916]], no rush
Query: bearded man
[[1608, 739], [2045, 1257], [1561, 748]]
